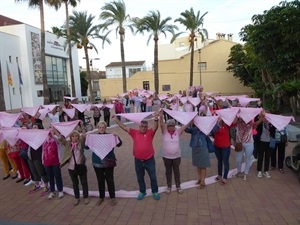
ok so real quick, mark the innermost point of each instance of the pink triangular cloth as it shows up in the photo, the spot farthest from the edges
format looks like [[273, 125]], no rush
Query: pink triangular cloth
[[210, 93], [99, 106], [122, 95], [30, 110], [70, 98], [101, 144], [247, 114], [70, 112], [10, 135], [206, 123], [182, 117], [183, 99], [135, 117], [278, 121], [88, 107], [109, 105], [9, 119], [162, 97], [194, 101], [81, 107], [43, 113], [223, 98], [65, 128], [33, 137], [171, 98], [50, 107], [245, 101], [228, 115]]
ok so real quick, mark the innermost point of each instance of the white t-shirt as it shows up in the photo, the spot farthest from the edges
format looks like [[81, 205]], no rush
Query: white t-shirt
[[170, 144], [53, 118]]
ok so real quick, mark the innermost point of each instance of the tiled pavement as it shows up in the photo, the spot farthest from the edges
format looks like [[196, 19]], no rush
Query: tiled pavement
[[257, 201]]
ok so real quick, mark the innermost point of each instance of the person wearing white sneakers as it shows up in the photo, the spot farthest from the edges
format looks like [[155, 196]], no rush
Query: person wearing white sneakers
[[263, 135]]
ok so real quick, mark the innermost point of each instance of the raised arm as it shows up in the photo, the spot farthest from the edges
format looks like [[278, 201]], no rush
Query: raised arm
[[161, 121], [155, 127], [120, 124]]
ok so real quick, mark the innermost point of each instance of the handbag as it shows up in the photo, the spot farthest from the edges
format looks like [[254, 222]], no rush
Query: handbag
[[210, 146], [110, 163], [238, 147], [272, 144]]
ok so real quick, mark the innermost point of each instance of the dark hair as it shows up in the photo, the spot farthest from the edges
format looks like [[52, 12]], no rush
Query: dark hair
[[39, 125]]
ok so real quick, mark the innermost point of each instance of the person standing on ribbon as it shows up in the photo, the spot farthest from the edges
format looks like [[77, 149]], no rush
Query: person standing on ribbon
[[104, 169], [74, 157], [143, 152], [171, 151]]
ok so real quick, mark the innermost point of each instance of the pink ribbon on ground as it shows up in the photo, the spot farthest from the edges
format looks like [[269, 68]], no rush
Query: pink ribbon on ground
[[278, 121], [247, 114], [69, 112], [70, 98], [10, 135], [50, 107], [135, 117], [33, 137], [194, 101], [101, 144], [228, 115], [9, 119], [30, 110], [245, 101], [80, 107], [182, 117], [205, 123], [43, 113], [65, 128]]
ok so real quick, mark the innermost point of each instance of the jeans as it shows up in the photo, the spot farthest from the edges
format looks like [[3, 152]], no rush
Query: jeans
[[83, 181], [263, 155], [280, 148], [54, 173], [38, 170], [172, 164], [248, 150], [149, 166], [127, 110], [149, 109], [222, 155], [105, 174]]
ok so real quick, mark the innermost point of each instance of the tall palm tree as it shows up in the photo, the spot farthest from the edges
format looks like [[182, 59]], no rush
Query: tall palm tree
[[193, 23], [40, 4], [153, 23], [114, 13], [57, 4], [82, 31]]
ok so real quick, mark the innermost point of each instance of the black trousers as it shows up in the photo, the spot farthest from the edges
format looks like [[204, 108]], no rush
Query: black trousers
[[106, 119], [84, 183], [264, 152], [105, 174], [280, 148]]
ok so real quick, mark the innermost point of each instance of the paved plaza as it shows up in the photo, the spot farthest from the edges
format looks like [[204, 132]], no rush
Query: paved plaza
[[256, 201]]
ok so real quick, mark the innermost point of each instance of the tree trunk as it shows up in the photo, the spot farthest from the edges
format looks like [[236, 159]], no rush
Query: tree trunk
[[89, 77], [192, 62], [156, 76], [2, 100], [123, 61], [70, 51], [43, 55]]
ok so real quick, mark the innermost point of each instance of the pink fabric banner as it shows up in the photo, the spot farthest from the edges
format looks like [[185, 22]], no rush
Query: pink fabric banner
[[247, 114], [70, 98], [43, 113], [50, 107], [182, 117], [194, 101], [33, 137], [30, 110], [9, 119], [135, 117], [170, 99], [101, 144], [245, 101], [66, 128], [183, 99], [10, 135], [69, 112], [278, 121], [228, 115], [80, 107], [205, 123], [162, 97]]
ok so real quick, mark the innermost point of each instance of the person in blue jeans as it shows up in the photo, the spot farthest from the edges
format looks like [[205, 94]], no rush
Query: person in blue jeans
[[143, 152]]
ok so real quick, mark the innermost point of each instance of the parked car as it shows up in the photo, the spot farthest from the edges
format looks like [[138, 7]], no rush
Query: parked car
[[97, 98]]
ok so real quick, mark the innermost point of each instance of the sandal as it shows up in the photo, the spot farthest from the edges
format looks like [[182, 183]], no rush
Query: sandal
[[201, 186], [223, 181], [281, 170], [198, 182]]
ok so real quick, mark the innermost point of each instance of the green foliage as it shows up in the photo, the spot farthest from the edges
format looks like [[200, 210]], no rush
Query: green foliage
[[83, 83]]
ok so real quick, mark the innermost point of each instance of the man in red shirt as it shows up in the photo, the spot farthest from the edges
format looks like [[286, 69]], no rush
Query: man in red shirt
[[143, 153]]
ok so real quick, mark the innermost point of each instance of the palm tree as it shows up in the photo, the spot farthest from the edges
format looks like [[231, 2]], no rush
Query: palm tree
[[153, 23], [40, 4], [193, 23], [57, 4], [82, 31], [114, 13]]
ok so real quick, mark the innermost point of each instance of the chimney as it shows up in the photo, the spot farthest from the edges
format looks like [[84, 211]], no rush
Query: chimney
[[229, 37]]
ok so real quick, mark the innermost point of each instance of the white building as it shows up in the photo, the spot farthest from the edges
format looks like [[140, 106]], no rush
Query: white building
[[20, 46], [114, 69]]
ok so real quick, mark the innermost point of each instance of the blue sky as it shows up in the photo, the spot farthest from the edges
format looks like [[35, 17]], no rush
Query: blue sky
[[225, 16]]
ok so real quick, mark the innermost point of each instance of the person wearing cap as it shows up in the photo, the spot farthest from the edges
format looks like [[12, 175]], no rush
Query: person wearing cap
[[171, 152], [143, 152]]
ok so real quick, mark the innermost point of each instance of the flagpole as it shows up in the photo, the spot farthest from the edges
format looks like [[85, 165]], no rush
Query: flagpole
[[21, 95], [9, 97], [9, 83], [20, 82]]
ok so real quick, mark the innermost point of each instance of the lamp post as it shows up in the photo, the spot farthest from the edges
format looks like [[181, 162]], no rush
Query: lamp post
[[91, 65], [199, 52]]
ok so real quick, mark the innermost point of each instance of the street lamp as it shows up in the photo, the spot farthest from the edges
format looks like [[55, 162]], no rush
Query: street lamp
[[92, 72], [199, 52]]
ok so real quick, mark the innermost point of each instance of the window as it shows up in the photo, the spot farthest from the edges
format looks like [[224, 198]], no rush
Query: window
[[133, 71], [95, 85], [202, 65], [146, 85], [9, 58], [40, 93], [166, 87]]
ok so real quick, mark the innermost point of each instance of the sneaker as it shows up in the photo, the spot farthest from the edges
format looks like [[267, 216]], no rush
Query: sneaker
[[35, 189], [259, 174], [28, 183], [245, 177], [100, 201], [45, 191], [141, 196], [86, 201], [113, 202], [51, 195], [179, 190], [253, 159], [156, 196], [238, 174], [76, 201], [267, 175], [168, 190], [60, 194]]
